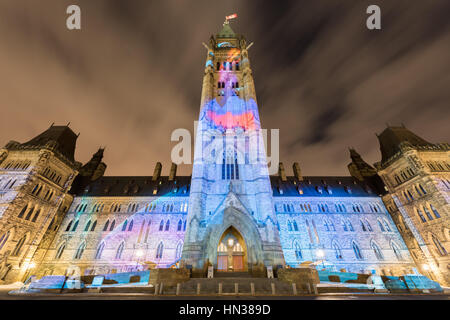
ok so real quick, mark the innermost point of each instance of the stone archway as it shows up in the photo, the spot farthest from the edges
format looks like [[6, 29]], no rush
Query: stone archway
[[243, 228], [232, 252]]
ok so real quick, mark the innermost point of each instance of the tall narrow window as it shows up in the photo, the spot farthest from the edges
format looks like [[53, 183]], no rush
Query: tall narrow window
[[357, 251], [147, 231], [94, 225], [440, 248], [19, 246], [130, 226], [159, 251], [436, 213], [4, 239], [60, 251], [105, 228], [80, 251], [298, 251], [161, 225], [180, 225], [376, 249], [337, 251], [36, 215], [113, 224], [179, 251], [119, 251], [419, 212], [69, 225], [99, 252], [75, 225], [397, 252], [22, 212], [124, 226], [427, 212], [88, 224], [167, 225]]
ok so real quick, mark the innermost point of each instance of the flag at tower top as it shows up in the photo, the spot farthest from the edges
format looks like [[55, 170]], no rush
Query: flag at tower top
[[234, 15]]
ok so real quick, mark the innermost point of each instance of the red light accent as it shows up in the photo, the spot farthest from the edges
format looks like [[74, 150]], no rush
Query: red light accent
[[229, 120]]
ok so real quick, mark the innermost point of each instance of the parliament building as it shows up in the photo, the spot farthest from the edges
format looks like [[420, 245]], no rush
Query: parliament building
[[58, 215]]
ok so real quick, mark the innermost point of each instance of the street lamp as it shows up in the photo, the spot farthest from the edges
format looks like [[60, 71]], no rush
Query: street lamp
[[321, 254], [139, 254]]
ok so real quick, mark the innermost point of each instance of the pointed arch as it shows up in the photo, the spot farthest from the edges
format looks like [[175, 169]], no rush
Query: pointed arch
[[357, 251], [180, 225], [113, 224], [159, 250], [88, 224], [396, 250], [80, 250], [94, 225], [105, 228], [130, 226], [120, 251], [124, 225], [19, 245], [75, 225], [179, 250], [297, 250], [337, 250], [4, 239], [376, 250], [99, 252], [60, 250]]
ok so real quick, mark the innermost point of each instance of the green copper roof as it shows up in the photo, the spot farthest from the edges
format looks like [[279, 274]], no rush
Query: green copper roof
[[226, 32]]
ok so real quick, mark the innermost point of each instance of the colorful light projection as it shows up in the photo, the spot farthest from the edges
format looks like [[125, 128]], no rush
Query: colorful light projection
[[228, 109], [136, 233]]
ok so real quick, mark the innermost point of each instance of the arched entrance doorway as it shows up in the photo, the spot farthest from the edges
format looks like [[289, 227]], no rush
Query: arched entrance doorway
[[231, 252]]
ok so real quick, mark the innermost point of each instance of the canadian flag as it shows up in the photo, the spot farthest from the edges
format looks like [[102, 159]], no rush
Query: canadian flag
[[234, 15]]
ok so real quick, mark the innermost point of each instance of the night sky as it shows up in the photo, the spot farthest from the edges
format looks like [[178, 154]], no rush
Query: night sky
[[133, 74]]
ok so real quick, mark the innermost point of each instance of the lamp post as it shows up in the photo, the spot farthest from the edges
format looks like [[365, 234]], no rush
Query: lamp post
[[139, 254], [320, 254]]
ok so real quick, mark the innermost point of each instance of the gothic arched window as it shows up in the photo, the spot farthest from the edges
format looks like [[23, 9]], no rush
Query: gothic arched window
[[75, 226], [4, 239], [119, 251], [159, 250], [80, 251], [105, 228], [440, 248], [376, 249], [130, 226], [357, 251], [167, 225], [60, 251], [337, 251], [180, 225], [161, 225], [98, 254], [396, 251], [124, 226]]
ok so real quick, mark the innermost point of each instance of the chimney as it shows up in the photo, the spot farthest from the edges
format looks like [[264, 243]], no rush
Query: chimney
[[281, 172], [297, 171], [173, 171], [157, 172]]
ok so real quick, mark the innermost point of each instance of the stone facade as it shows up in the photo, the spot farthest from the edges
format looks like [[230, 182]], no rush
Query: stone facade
[[35, 178], [230, 213], [417, 176]]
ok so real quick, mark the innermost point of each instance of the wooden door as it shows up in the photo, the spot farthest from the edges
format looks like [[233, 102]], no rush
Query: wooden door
[[222, 263]]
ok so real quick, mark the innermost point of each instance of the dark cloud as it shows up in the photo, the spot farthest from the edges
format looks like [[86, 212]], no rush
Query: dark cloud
[[133, 74]]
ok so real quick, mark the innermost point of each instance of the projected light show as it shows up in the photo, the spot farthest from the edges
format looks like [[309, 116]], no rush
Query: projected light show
[[260, 151]]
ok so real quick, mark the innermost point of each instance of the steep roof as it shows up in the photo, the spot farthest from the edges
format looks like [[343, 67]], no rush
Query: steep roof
[[318, 186], [138, 186], [226, 32], [391, 138], [62, 138]]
